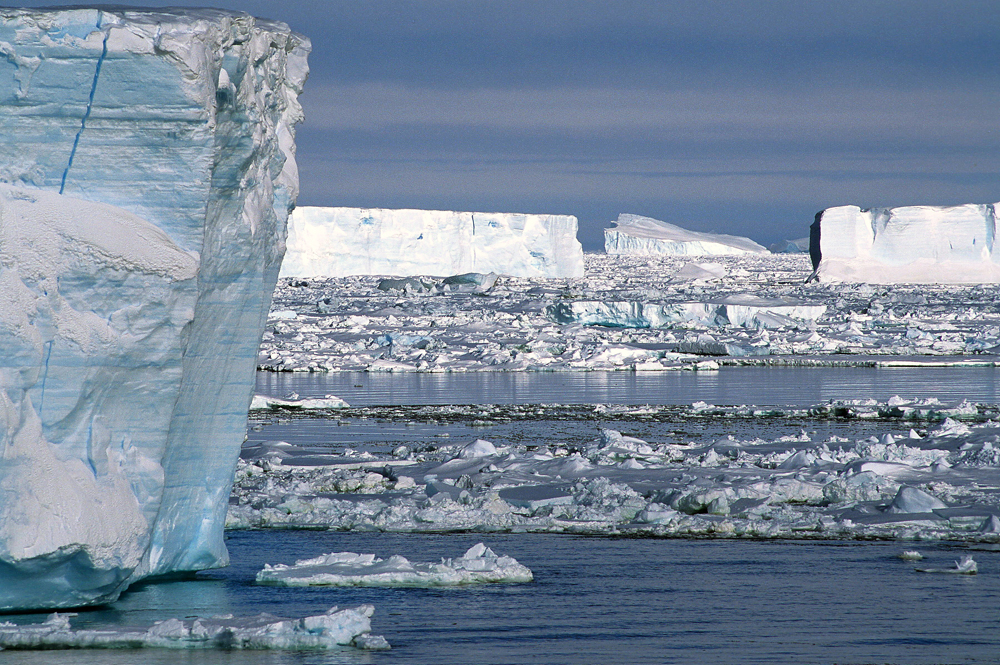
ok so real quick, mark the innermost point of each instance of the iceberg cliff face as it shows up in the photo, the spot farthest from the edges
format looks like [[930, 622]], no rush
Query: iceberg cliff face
[[644, 236], [338, 242], [912, 244], [149, 165]]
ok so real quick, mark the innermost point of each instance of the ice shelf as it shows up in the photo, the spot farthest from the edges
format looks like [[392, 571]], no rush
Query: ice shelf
[[912, 244], [148, 169], [337, 242], [645, 236]]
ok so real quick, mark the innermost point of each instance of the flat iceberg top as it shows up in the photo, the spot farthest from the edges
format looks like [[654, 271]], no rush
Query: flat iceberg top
[[477, 566], [638, 226]]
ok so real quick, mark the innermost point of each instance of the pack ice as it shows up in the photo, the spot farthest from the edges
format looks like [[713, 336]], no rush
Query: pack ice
[[337, 242], [645, 236], [148, 163], [912, 244]]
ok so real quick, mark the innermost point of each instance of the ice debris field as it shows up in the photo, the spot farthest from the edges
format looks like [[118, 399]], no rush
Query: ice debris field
[[893, 470], [628, 313], [334, 629]]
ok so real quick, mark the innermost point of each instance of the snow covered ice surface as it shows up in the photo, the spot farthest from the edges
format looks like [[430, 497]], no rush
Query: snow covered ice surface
[[912, 244], [644, 236], [478, 565], [919, 470], [148, 168], [630, 313], [337, 242], [334, 629]]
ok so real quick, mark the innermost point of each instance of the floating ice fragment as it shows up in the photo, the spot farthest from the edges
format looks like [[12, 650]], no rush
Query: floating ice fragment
[[477, 566], [964, 567], [327, 402], [911, 555], [478, 448], [333, 629]]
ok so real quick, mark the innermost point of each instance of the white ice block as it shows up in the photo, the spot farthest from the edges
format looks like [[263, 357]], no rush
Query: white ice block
[[644, 236], [337, 242], [912, 244], [149, 165]]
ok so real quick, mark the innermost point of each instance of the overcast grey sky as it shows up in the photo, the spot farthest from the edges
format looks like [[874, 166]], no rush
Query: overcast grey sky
[[735, 117]]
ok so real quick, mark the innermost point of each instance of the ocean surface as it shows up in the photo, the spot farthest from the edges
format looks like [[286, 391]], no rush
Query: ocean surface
[[598, 600], [766, 386]]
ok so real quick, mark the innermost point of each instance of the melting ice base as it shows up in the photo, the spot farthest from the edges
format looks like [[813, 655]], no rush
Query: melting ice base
[[478, 565], [897, 469], [631, 313]]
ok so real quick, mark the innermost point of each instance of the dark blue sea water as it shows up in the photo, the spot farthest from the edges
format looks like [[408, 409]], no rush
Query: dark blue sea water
[[603, 600], [770, 386], [599, 600]]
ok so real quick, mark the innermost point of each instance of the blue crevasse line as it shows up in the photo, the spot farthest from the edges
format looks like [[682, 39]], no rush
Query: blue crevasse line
[[45, 375], [90, 102]]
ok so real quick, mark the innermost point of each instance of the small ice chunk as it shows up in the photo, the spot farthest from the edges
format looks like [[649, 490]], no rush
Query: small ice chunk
[[911, 500], [477, 566], [911, 555], [478, 448], [964, 567]]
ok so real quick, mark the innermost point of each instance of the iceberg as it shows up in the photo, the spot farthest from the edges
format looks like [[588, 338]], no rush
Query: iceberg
[[911, 244], [338, 242], [645, 236], [148, 169], [479, 565]]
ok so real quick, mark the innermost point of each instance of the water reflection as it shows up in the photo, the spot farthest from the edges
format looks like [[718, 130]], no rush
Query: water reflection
[[792, 386]]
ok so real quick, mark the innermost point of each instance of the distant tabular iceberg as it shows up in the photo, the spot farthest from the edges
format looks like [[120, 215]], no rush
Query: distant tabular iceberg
[[912, 244], [148, 167], [645, 236], [336, 242]]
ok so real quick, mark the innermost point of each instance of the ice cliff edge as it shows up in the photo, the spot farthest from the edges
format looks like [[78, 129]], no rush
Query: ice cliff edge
[[910, 244], [147, 173], [337, 242]]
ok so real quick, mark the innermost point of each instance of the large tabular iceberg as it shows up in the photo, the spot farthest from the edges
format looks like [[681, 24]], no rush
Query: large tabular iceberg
[[912, 244], [148, 162], [645, 236], [337, 242]]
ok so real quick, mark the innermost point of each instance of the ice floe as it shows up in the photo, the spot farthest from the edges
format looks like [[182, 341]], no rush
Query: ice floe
[[479, 565], [628, 313], [333, 629], [922, 475]]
